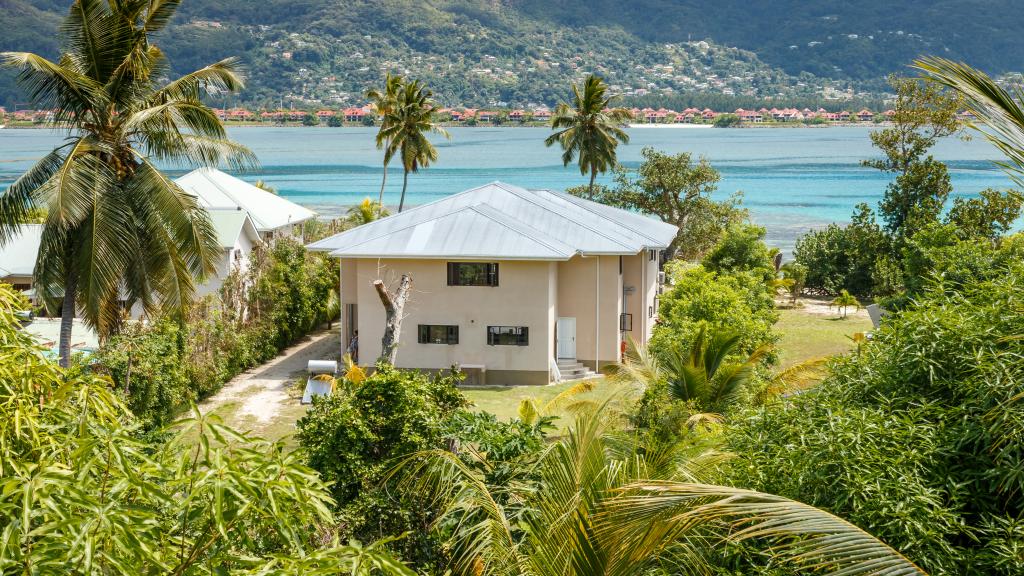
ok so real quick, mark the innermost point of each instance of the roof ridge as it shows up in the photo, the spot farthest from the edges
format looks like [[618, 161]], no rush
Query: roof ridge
[[212, 172], [531, 199], [511, 223], [584, 204]]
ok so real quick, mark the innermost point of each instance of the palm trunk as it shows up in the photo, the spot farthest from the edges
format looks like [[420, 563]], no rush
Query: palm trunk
[[590, 191], [380, 201], [405, 183], [67, 317]]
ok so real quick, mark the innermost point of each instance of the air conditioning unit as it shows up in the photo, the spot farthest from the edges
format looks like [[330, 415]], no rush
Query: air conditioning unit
[[662, 278]]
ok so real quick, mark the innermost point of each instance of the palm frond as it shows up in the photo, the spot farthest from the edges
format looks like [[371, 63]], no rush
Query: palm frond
[[804, 535]]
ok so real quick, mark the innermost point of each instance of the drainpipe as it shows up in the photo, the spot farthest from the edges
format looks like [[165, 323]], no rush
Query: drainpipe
[[597, 319]]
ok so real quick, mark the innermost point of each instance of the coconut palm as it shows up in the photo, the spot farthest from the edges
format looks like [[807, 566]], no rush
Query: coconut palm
[[844, 301], [603, 505], [700, 375], [118, 231], [405, 128], [383, 101], [1001, 113], [589, 129]]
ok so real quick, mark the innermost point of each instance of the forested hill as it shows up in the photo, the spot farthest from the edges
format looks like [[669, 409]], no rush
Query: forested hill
[[520, 52]]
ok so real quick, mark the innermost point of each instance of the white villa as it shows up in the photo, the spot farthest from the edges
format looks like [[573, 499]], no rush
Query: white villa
[[514, 286], [242, 216]]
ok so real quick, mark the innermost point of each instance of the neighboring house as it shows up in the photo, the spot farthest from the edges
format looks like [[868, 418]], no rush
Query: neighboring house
[[236, 236], [506, 283], [18, 257], [273, 216]]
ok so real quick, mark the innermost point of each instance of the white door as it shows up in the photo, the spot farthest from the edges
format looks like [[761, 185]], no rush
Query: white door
[[566, 338]]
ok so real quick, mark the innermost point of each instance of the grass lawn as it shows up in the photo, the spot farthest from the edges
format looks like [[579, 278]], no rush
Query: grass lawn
[[806, 335], [504, 401]]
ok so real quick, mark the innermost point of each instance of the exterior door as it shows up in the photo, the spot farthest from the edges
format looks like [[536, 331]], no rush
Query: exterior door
[[566, 336]]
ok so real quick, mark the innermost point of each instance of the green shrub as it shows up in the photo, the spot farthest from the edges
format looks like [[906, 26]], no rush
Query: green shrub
[[741, 249], [698, 298], [843, 257], [918, 437], [164, 365]]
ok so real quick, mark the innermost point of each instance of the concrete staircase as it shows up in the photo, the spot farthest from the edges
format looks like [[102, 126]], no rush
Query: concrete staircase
[[573, 370]]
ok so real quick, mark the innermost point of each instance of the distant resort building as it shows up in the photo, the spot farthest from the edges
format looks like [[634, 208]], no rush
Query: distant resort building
[[515, 286]]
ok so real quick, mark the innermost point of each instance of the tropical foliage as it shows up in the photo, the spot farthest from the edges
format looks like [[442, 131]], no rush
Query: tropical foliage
[[80, 493], [675, 189], [384, 101], [599, 503], [163, 365], [869, 257], [118, 232], [917, 437], [405, 125], [589, 129]]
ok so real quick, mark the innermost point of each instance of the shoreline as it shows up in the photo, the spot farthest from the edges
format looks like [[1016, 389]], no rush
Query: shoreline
[[680, 126]]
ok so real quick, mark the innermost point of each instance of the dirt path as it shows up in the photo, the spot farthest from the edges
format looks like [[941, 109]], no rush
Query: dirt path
[[259, 396]]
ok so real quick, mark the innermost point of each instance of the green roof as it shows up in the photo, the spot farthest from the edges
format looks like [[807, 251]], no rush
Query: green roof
[[228, 224]]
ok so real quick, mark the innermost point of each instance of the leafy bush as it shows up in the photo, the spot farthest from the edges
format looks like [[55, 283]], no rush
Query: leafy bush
[[82, 494], [843, 257], [161, 367], [353, 437], [741, 249], [699, 298], [918, 437]]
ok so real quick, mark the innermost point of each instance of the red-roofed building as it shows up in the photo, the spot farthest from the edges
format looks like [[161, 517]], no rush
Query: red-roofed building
[[865, 115]]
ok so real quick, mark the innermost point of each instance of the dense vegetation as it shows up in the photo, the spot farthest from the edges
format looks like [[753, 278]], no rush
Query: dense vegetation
[[917, 437], [163, 365], [82, 492], [891, 251], [473, 52]]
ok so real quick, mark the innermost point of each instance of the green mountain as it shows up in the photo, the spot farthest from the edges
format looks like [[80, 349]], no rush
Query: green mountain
[[521, 52]]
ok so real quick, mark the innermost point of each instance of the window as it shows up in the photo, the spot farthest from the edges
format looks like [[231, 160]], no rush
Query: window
[[650, 255], [508, 336], [626, 322], [438, 334], [472, 274]]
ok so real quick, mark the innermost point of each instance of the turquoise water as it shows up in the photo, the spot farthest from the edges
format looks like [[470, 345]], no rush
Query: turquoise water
[[792, 178]]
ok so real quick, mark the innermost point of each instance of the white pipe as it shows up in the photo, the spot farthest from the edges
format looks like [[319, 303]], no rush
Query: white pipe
[[597, 321]]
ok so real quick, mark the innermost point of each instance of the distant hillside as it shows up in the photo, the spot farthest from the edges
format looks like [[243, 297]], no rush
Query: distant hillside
[[521, 52]]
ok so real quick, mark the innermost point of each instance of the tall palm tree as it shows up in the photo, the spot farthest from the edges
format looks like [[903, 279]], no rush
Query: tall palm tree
[[384, 102], [589, 129], [1001, 113], [604, 505], [117, 229], [405, 128]]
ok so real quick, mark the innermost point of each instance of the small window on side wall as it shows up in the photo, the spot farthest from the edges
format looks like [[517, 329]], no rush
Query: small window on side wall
[[472, 273], [438, 334], [508, 336]]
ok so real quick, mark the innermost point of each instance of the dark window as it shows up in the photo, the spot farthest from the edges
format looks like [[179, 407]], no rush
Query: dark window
[[650, 254], [626, 322], [508, 336], [438, 334], [472, 274]]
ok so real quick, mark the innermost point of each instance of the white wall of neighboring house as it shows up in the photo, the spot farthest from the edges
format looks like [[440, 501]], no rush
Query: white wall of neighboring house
[[230, 258]]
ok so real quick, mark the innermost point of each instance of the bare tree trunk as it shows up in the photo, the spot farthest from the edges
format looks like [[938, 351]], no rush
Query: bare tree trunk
[[67, 316], [393, 305], [405, 182], [590, 191]]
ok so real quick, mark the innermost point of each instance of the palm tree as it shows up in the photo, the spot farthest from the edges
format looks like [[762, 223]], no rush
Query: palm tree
[[117, 229], [384, 102], [700, 375], [405, 128], [604, 505], [844, 301], [589, 129], [1000, 112]]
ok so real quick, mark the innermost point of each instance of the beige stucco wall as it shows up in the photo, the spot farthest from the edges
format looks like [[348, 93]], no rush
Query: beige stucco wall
[[532, 294], [226, 263], [590, 290], [524, 297]]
